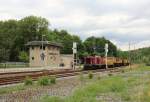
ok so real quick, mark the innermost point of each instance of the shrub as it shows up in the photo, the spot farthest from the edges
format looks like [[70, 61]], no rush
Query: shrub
[[44, 80], [98, 77], [122, 71], [28, 81], [110, 74], [53, 79], [90, 75], [81, 77], [23, 56]]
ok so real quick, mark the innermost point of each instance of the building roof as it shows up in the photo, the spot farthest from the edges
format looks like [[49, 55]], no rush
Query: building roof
[[39, 43]]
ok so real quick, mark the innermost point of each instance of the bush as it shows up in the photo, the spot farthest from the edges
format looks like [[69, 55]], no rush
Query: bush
[[28, 81], [99, 77], [110, 74], [23, 56], [81, 76], [44, 80], [53, 79], [122, 71], [90, 75]]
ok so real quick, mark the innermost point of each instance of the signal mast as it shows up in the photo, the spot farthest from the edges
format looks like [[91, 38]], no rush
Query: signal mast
[[106, 51]]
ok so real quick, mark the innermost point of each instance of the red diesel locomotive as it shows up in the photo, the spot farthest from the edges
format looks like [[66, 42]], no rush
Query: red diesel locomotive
[[98, 62]]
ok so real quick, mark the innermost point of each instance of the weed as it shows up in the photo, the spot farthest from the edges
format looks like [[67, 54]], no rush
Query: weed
[[122, 71], [81, 77], [44, 81], [28, 81], [90, 75], [99, 77], [110, 74], [53, 79], [51, 99]]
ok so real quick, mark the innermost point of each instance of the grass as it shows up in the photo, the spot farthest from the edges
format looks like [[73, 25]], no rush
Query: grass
[[51, 99], [53, 79], [28, 81], [44, 80], [11, 89], [3, 65], [129, 86], [90, 75]]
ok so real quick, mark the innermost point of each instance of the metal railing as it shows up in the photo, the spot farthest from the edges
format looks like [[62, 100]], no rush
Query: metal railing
[[14, 65]]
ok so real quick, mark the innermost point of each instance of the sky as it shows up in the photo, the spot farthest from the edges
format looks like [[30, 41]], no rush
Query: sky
[[121, 21]]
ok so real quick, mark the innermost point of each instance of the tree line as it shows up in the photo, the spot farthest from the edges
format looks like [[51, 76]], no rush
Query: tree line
[[14, 34]]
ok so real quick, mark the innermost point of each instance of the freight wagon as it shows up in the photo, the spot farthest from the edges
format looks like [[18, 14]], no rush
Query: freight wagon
[[98, 62]]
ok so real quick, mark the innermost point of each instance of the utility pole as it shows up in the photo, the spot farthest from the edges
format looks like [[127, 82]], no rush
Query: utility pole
[[42, 54], [134, 54], [94, 50], [129, 56], [106, 51]]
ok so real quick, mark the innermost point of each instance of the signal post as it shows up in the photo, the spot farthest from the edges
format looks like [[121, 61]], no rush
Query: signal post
[[74, 53], [106, 51]]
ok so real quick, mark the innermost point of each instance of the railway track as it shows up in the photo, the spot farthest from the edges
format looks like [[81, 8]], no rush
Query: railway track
[[18, 77]]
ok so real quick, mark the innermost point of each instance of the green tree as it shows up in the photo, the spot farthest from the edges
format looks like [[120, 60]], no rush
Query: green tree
[[8, 34], [95, 45], [23, 56], [30, 28]]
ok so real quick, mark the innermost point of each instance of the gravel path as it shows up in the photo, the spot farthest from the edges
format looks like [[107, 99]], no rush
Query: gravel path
[[62, 88]]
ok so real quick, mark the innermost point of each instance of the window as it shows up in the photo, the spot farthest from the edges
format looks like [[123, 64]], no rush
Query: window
[[32, 48], [43, 47], [32, 58]]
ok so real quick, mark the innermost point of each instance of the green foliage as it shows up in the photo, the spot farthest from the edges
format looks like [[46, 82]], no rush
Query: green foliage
[[90, 75], [99, 77], [23, 56], [28, 81], [136, 56], [110, 74], [43, 81], [14, 34], [32, 28], [122, 71], [81, 76], [53, 79], [98, 43]]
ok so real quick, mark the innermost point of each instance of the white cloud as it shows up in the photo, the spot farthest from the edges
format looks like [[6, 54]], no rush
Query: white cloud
[[121, 21]]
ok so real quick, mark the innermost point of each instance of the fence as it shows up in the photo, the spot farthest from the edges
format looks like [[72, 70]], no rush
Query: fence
[[14, 65]]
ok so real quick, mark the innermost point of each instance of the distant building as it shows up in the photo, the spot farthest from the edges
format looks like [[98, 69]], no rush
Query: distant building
[[67, 60], [46, 55]]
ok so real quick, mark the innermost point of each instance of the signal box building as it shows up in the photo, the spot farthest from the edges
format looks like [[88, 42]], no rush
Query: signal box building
[[44, 53]]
